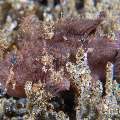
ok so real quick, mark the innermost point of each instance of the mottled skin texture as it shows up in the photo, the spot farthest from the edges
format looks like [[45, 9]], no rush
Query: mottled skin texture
[[116, 71], [69, 35], [104, 50]]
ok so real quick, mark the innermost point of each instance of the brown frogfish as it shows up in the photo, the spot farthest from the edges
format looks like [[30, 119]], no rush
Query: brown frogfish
[[43, 49]]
